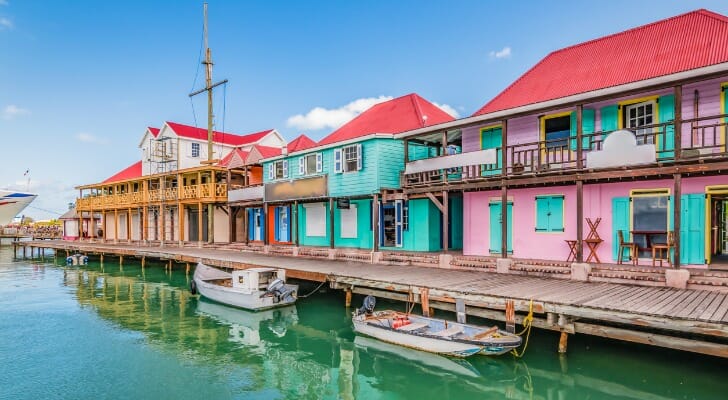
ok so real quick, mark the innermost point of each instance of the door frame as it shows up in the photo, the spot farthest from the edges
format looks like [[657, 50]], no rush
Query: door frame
[[709, 192]]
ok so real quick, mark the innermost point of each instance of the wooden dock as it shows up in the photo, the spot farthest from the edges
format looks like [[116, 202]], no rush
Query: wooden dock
[[684, 319]]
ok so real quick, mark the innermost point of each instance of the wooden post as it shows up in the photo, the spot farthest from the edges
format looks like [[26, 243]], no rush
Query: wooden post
[[264, 215], [246, 227], [121, 260], [504, 222], [331, 222], [91, 233], [231, 220], [101, 258], [375, 221], [199, 222], [678, 122], [562, 342], [445, 222], [504, 147], [103, 228], [348, 297], [425, 301], [128, 226], [116, 226], [187, 268], [406, 151], [169, 265], [579, 134], [144, 261], [144, 222], [444, 153], [181, 217], [211, 211], [579, 220], [80, 225], [294, 222], [677, 178], [460, 311]]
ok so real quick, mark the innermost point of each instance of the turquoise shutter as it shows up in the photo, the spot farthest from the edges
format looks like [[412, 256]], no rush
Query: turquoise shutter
[[251, 224], [692, 229], [556, 209], [542, 214], [359, 157], [495, 227], [271, 171], [610, 118], [572, 130], [337, 161], [620, 222], [666, 110], [587, 123], [319, 162]]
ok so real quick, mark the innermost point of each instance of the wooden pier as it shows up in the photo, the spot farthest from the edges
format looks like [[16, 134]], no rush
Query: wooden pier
[[684, 319]]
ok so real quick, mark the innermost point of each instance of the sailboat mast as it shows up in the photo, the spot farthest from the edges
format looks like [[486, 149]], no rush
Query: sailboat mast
[[208, 84]]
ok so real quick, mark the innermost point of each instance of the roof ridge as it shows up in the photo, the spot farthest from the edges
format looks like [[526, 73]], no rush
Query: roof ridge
[[418, 110]]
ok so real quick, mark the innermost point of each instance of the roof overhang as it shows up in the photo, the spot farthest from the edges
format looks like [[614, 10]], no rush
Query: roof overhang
[[693, 74], [330, 145]]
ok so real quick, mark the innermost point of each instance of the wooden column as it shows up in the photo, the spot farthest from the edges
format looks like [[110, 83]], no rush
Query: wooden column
[[678, 122], [128, 225], [91, 232], [677, 178], [103, 222], [406, 151], [375, 221], [80, 225], [211, 210], [579, 220], [246, 225], [231, 219], [579, 134], [144, 217], [445, 221], [444, 153], [504, 147], [264, 215], [199, 222], [161, 223], [504, 221], [116, 225], [331, 222], [294, 222]]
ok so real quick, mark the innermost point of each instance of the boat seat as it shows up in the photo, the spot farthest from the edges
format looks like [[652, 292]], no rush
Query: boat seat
[[412, 327], [451, 331]]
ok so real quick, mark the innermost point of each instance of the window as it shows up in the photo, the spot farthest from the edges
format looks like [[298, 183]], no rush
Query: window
[[638, 115], [550, 213], [556, 131], [315, 219], [349, 222], [310, 164], [195, 150], [348, 159], [649, 218], [278, 169]]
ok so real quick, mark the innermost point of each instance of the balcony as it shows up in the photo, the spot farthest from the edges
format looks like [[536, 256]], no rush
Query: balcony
[[703, 139], [207, 192]]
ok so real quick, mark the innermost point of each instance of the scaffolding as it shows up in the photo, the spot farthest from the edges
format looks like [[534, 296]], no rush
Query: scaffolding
[[162, 217]]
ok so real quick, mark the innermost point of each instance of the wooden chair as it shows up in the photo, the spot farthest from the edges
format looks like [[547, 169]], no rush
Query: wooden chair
[[662, 251], [631, 246]]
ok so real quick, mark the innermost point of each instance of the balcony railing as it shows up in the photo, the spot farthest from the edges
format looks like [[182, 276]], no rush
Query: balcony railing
[[702, 138], [202, 192]]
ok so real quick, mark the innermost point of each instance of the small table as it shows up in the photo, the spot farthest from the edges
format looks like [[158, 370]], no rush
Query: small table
[[592, 245], [572, 250], [648, 238]]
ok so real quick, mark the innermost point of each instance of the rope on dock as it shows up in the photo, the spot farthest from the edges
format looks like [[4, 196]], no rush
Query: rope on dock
[[527, 324], [315, 290]]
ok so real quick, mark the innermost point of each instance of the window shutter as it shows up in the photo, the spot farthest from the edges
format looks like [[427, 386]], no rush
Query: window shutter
[[542, 214], [285, 168], [587, 123], [271, 171], [556, 219], [302, 165], [666, 140], [620, 222], [337, 161], [251, 224], [610, 116], [572, 130], [359, 157], [319, 162], [276, 223]]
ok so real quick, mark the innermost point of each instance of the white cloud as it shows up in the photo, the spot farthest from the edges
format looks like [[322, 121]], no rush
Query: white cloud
[[89, 138], [320, 118], [6, 23], [11, 111], [448, 109], [500, 54]]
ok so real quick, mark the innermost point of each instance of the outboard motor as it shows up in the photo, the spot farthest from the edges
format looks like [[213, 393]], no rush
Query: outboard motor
[[69, 260], [279, 291], [367, 306]]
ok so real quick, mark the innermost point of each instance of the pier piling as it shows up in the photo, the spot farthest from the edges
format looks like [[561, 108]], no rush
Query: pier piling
[[562, 342], [348, 297]]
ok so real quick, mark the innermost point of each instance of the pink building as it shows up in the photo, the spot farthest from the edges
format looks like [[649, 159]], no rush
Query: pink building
[[622, 136]]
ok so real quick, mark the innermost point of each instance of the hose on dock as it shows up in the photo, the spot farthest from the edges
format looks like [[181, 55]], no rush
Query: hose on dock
[[527, 324]]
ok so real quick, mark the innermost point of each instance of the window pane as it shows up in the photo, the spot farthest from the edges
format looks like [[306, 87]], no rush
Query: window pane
[[556, 131], [311, 164], [649, 214]]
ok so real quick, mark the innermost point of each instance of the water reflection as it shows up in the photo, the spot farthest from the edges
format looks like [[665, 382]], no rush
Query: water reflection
[[309, 350]]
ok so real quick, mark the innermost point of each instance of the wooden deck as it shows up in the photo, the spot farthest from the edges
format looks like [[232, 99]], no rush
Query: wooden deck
[[685, 319]]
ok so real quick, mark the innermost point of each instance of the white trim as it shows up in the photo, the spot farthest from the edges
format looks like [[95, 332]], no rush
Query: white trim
[[335, 144], [614, 90]]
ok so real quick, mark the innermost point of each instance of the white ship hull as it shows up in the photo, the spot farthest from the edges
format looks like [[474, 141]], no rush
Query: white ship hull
[[12, 204]]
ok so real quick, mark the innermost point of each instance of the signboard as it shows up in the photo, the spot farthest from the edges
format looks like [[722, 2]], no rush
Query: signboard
[[306, 188]]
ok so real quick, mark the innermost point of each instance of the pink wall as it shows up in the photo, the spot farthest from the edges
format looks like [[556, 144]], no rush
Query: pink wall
[[530, 244]]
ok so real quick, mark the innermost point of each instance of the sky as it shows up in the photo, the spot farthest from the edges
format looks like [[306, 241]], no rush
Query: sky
[[81, 80]]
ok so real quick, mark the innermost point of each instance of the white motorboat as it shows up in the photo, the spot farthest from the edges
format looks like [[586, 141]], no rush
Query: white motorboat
[[432, 334], [13, 203], [253, 288]]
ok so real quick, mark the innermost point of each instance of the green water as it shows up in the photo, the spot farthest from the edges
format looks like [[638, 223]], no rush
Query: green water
[[98, 332]]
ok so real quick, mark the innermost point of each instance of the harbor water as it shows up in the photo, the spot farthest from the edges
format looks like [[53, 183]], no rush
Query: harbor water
[[122, 332]]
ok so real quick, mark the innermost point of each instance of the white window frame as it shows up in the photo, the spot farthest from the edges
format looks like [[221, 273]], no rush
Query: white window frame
[[195, 150], [303, 166], [315, 219], [632, 124], [279, 169], [349, 155], [349, 222]]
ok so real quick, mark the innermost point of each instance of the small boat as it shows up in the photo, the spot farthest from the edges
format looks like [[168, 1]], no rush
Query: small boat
[[432, 334], [254, 289]]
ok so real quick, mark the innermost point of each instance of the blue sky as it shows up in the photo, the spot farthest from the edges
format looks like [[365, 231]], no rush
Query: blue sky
[[81, 80]]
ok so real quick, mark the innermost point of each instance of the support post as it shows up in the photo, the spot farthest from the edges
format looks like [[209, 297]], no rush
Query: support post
[[445, 221], [128, 226], [579, 134], [579, 220], [181, 217], [406, 151], [91, 233], [504, 222], [678, 122], [504, 147], [425, 301], [187, 268], [211, 207], [116, 226], [562, 342], [199, 222], [677, 192], [294, 222], [246, 227], [103, 228], [264, 215], [144, 261], [444, 153], [348, 297], [375, 221], [231, 221], [331, 222]]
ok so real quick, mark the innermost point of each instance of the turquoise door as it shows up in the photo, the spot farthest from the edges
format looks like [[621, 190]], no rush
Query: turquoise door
[[692, 229], [666, 142], [491, 138], [620, 222], [496, 223]]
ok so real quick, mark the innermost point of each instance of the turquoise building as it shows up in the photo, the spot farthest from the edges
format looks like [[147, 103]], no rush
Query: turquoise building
[[344, 191]]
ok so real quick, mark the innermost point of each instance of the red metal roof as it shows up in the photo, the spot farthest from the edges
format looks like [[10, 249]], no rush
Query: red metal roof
[[234, 159], [154, 131], [684, 42], [266, 151], [130, 172], [394, 116], [217, 137], [302, 142]]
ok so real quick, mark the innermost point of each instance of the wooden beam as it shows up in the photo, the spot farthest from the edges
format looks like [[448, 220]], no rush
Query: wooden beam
[[231, 220], [504, 222], [677, 207], [579, 134], [579, 221], [331, 222], [294, 222], [677, 137], [445, 222], [246, 227], [199, 222], [504, 147], [435, 201], [375, 221]]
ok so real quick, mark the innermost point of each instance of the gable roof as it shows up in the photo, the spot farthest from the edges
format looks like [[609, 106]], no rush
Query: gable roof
[[680, 43], [217, 137], [235, 158], [153, 131], [130, 172], [394, 116], [302, 142]]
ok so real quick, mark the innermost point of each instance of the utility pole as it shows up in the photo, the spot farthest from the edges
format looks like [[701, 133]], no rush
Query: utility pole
[[210, 159]]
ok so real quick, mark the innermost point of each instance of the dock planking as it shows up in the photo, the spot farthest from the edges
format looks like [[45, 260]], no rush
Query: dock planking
[[680, 310]]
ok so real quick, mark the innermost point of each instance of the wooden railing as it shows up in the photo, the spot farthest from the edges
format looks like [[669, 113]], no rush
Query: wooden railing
[[702, 138], [202, 192]]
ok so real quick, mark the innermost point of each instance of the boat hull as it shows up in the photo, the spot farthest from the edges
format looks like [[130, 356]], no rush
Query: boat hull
[[12, 204], [237, 297]]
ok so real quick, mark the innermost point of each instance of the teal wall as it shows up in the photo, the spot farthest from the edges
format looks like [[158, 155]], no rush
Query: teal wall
[[364, 238], [304, 240], [456, 223]]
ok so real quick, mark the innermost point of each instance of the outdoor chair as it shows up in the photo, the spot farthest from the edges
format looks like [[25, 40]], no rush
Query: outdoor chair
[[661, 251], [631, 246]]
